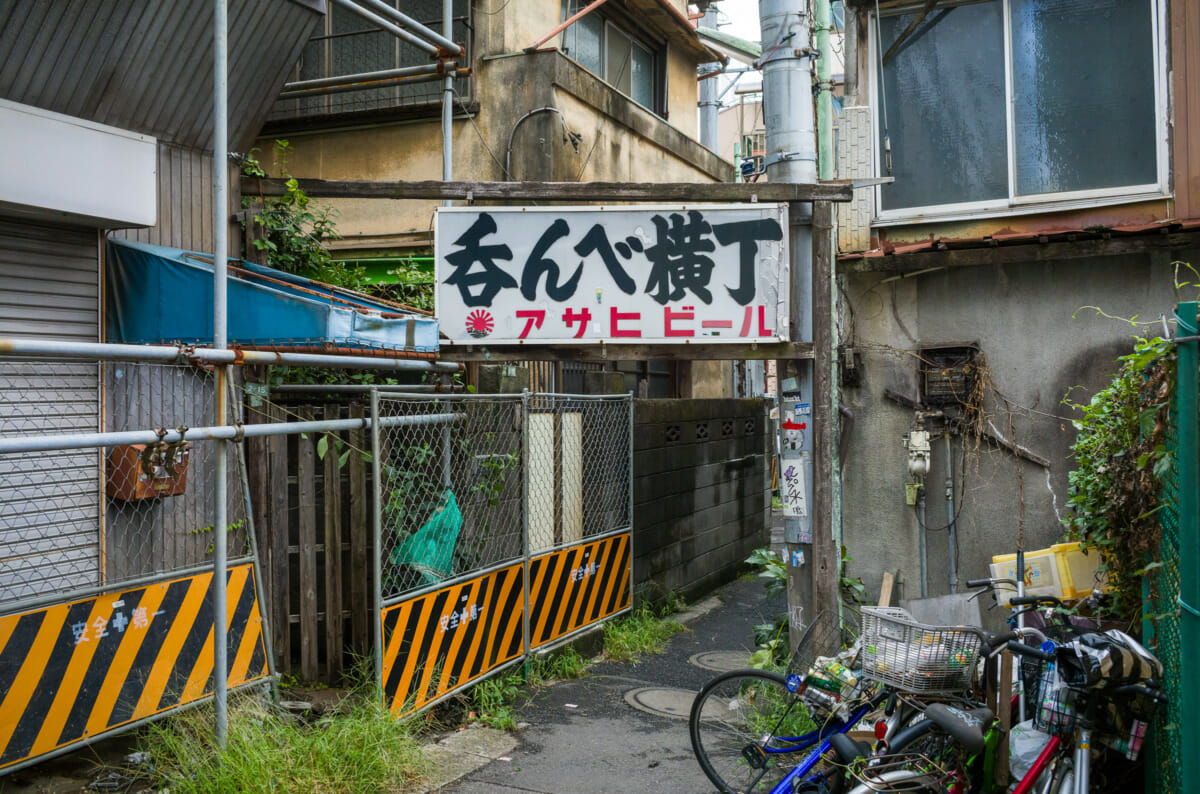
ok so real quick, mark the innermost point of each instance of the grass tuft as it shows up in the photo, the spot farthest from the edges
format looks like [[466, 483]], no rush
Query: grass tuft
[[640, 632], [495, 698], [362, 750]]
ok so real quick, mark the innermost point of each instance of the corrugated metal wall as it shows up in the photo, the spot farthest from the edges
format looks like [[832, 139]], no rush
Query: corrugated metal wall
[[49, 502], [185, 198]]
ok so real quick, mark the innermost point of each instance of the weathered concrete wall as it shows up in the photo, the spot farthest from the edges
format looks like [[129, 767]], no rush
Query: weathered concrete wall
[[1039, 342], [701, 492]]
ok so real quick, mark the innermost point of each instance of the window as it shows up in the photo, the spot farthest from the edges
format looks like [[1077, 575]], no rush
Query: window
[[344, 43], [992, 105], [602, 44]]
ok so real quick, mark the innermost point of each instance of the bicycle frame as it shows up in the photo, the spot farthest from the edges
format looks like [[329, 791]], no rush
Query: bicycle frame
[[819, 738], [1039, 766]]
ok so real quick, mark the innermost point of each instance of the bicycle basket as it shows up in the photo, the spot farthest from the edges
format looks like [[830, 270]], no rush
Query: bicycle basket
[[898, 650], [1057, 703]]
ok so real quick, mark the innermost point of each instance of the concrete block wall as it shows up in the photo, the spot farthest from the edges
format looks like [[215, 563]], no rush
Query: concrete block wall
[[702, 492]]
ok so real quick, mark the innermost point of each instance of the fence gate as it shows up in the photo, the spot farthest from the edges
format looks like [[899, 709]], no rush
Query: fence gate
[[503, 525], [106, 614]]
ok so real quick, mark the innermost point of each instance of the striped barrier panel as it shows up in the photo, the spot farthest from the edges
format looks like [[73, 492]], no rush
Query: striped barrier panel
[[439, 641], [578, 586], [74, 671]]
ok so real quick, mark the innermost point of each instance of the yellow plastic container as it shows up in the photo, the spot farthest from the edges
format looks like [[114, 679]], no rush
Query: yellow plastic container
[[1078, 570], [1041, 574]]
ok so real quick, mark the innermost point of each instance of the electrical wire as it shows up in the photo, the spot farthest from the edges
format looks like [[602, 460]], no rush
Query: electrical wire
[[471, 118]]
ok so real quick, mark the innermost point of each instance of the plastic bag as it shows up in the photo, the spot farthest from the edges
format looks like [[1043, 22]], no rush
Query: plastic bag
[[1025, 744]]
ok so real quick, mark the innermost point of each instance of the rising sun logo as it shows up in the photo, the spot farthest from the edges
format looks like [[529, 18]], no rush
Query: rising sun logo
[[480, 323]]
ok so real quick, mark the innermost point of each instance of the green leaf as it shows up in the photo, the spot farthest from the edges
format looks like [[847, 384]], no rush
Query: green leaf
[[322, 447]]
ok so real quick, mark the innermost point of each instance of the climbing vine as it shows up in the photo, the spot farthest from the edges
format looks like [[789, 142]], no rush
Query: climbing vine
[[1120, 459]]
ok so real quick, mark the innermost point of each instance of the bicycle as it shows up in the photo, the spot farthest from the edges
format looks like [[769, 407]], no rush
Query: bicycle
[[949, 750], [748, 727]]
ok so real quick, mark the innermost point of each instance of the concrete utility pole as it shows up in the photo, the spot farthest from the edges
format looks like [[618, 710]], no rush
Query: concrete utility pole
[[791, 156]]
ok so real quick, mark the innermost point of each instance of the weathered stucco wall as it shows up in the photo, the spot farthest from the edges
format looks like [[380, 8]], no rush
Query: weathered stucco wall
[[621, 142], [1039, 343]]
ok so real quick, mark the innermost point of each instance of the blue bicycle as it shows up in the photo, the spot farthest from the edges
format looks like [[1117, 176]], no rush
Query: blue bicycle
[[752, 732]]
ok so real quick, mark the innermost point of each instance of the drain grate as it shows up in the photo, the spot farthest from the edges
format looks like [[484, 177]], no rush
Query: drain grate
[[662, 701]]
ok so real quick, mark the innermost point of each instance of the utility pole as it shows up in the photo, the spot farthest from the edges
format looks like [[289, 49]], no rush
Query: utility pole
[[791, 157]]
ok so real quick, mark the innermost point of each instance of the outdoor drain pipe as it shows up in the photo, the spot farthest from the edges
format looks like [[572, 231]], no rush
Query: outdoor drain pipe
[[952, 549], [220, 340]]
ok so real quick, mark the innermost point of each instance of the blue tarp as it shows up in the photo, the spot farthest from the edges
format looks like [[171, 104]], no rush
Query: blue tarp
[[159, 295]]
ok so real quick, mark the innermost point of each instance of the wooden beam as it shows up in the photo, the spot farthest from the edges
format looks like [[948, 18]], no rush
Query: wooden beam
[[826, 563], [687, 192], [1025, 252], [601, 353]]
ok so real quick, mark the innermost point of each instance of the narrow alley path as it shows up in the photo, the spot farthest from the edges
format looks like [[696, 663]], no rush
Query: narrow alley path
[[623, 727]]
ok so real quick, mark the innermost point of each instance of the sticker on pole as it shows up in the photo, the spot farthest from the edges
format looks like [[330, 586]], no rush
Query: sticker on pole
[[571, 275]]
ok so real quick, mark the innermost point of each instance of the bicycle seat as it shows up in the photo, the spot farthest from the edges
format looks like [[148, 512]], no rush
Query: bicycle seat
[[966, 727]]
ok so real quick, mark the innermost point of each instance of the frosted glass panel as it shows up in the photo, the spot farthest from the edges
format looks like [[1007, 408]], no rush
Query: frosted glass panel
[[643, 76], [945, 108], [583, 42], [1083, 109]]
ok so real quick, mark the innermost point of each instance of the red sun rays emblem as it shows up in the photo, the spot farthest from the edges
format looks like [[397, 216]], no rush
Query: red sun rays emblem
[[480, 323]]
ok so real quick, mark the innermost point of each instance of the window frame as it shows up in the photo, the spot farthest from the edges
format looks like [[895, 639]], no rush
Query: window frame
[[1029, 204], [615, 18]]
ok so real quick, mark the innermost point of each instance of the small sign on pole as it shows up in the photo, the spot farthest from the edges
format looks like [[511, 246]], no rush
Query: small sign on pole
[[624, 275]]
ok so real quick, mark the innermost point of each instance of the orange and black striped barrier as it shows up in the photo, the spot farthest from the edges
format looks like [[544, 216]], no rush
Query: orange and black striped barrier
[[436, 642], [71, 672], [577, 586]]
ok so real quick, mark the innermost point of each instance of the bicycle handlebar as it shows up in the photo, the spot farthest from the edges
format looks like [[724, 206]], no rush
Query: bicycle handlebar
[[979, 582], [1020, 601], [1028, 650]]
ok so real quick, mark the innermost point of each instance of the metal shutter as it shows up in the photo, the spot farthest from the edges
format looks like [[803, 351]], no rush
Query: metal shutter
[[50, 503]]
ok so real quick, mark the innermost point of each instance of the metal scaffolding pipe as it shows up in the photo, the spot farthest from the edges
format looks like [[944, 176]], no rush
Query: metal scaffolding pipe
[[398, 32], [219, 433], [357, 388], [171, 354], [325, 82], [443, 40], [220, 339], [343, 87]]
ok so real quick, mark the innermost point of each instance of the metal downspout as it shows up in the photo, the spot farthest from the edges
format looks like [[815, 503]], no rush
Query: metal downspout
[[822, 21], [220, 340], [710, 103], [447, 100], [952, 549]]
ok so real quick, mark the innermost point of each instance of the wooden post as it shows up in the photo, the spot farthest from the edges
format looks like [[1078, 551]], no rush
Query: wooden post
[[334, 633], [306, 471], [360, 541], [826, 562], [1004, 713], [281, 564]]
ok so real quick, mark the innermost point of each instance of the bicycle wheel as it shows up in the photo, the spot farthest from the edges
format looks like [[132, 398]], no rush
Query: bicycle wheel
[[744, 728]]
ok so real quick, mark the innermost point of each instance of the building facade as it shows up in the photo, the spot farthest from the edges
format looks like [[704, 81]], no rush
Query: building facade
[[1046, 181]]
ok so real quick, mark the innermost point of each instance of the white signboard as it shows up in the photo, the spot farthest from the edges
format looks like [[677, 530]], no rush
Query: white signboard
[[632, 275]]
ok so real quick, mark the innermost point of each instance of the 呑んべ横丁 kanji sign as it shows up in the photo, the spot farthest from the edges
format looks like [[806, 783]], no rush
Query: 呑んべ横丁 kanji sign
[[623, 275]]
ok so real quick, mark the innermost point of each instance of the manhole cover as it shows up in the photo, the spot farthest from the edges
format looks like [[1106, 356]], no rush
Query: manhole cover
[[721, 661], [663, 701]]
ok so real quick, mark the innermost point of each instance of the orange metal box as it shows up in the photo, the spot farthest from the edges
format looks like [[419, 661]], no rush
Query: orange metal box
[[135, 474]]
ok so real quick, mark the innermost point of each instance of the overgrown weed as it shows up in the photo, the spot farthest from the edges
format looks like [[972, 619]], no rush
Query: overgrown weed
[[361, 750], [644, 630]]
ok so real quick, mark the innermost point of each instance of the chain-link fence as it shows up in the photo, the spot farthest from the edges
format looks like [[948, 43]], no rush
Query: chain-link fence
[[458, 495], [74, 520], [1166, 640]]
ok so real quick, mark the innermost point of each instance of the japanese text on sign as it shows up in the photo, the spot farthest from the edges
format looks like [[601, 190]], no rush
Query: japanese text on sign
[[673, 275]]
